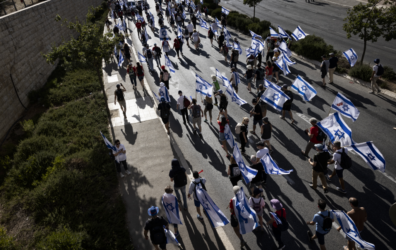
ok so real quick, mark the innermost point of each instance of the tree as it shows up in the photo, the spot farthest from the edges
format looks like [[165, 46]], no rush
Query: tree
[[369, 22], [252, 3]]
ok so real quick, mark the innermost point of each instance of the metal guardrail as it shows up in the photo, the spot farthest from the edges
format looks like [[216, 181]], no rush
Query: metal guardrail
[[10, 6]]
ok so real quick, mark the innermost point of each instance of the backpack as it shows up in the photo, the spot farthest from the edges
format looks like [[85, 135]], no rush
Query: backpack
[[260, 74], [238, 128], [327, 222], [180, 179], [164, 110], [346, 161], [177, 44], [235, 171], [223, 99], [186, 102], [157, 233], [257, 206], [139, 70], [285, 224], [196, 112], [380, 70], [148, 53], [321, 135]]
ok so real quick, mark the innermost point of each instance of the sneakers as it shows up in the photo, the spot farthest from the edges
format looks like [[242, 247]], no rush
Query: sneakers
[[128, 172], [311, 186], [328, 178], [199, 217], [205, 120], [122, 175], [281, 117], [309, 234], [341, 190]]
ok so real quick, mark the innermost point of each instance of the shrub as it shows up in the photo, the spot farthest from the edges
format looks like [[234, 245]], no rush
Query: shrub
[[6, 242], [62, 239], [216, 13], [255, 27], [389, 74], [312, 47], [28, 126], [361, 71]]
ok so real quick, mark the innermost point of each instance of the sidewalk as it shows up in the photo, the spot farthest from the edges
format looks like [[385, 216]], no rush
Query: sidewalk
[[149, 154]]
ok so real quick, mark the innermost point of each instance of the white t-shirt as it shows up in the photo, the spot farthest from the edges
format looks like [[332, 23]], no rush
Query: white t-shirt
[[260, 154], [195, 36], [256, 200], [192, 186], [121, 156], [337, 158], [180, 101], [375, 69], [190, 27]]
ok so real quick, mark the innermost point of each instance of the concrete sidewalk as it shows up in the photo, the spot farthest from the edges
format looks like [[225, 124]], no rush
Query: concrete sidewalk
[[149, 154]]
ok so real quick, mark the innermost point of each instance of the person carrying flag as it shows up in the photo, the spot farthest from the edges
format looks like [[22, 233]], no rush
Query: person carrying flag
[[155, 226], [170, 203], [287, 104], [279, 213], [120, 158], [337, 161], [313, 137], [233, 218], [210, 35], [191, 191], [323, 221]]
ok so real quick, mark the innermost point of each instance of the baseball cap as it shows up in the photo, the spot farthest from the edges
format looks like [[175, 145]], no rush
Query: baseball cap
[[153, 211], [319, 146], [377, 60]]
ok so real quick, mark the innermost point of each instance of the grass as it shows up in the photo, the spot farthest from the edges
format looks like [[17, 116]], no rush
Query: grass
[[58, 173]]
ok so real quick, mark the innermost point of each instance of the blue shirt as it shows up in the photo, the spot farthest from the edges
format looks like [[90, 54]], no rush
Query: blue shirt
[[319, 221]]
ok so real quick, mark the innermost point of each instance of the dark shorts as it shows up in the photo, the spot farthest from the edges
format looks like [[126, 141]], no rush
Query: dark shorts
[[162, 245], [323, 75], [286, 107], [235, 87], [223, 106], [197, 203], [320, 238], [340, 173], [140, 78], [276, 68], [260, 122], [209, 106], [234, 221], [165, 120], [263, 106]]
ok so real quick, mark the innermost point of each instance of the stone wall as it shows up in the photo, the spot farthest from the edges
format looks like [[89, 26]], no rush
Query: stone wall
[[24, 36]]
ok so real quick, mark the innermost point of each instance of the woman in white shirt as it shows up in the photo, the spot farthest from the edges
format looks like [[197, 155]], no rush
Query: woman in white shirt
[[165, 47], [195, 38]]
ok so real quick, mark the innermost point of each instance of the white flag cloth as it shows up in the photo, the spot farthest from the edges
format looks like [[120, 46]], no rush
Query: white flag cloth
[[179, 32], [287, 59], [171, 207], [304, 89], [254, 35], [163, 92], [370, 154], [146, 35], [124, 24], [247, 173], [120, 59], [285, 50], [218, 23], [235, 98], [237, 47], [270, 166], [169, 64], [273, 32], [275, 97], [108, 143], [228, 136], [139, 17], [156, 97], [163, 34], [214, 28], [351, 56], [115, 50], [198, 15], [152, 19], [225, 11], [259, 43], [283, 33], [203, 87], [228, 44], [184, 14], [336, 129], [283, 65], [203, 24], [219, 76], [298, 34], [215, 215], [276, 218], [227, 34], [170, 237], [350, 230], [246, 216], [142, 58], [226, 82], [247, 52], [345, 107]]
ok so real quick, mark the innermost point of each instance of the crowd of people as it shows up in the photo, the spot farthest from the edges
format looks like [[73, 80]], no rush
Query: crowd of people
[[256, 72]]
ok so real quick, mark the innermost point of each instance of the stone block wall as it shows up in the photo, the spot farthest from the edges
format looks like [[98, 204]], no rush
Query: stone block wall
[[24, 36]]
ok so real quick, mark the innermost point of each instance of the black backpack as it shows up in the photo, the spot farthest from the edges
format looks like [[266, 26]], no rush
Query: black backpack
[[285, 224], [196, 112], [164, 110], [327, 222], [346, 161], [139, 70], [223, 99], [148, 53], [321, 135], [180, 179], [157, 233], [380, 70], [260, 74]]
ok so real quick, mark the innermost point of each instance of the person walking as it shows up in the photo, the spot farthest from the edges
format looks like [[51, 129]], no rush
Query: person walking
[[287, 105], [249, 77], [338, 157], [164, 109], [220, 40], [257, 115], [233, 218], [261, 177], [182, 105], [223, 101], [234, 58], [211, 35], [323, 221], [191, 191], [149, 56], [120, 158], [275, 68], [261, 152], [319, 167], [313, 137], [178, 175], [131, 71], [155, 226], [195, 39], [190, 28], [224, 50], [222, 121], [259, 77], [216, 87], [234, 79], [157, 54], [164, 76], [208, 103], [257, 203], [333, 61], [233, 172], [266, 131], [270, 45], [127, 52], [268, 71], [186, 35], [165, 47], [176, 46], [281, 214], [359, 217], [171, 214], [263, 104], [119, 95], [243, 132], [197, 113], [324, 68], [378, 71]]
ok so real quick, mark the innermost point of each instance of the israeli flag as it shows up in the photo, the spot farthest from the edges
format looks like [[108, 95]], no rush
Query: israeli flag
[[108, 143], [152, 19], [235, 98], [146, 35], [203, 24], [169, 64], [171, 207], [255, 36], [270, 166], [179, 32], [283, 65], [214, 28], [287, 59], [236, 77], [248, 53], [115, 50], [120, 26], [247, 173], [246, 216], [370, 154], [350, 230], [215, 215], [142, 58], [351, 56], [285, 50], [219, 76], [304, 89], [336, 129], [170, 237], [345, 107], [226, 82], [163, 34], [276, 218], [112, 14], [139, 17], [120, 59], [228, 136], [193, 5], [298, 34], [218, 23], [198, 15], [203, 87], [283, 33], [184, 15], [236, 46], [273, 32], [225, 11], [163, 92], [156, 97], [275, 97], [228, 44], [258, 43], [227, 34]]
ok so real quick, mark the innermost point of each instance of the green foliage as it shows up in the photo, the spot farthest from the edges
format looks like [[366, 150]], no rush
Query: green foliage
[[216, 13], [252, 3], [312, 47], [28, 126], [62, 239], [6, 242], [256, 28], [389, 74], [361, 71]]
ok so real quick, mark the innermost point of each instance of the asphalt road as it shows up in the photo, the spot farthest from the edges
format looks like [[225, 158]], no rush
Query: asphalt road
[[375, 191], [322, 18]]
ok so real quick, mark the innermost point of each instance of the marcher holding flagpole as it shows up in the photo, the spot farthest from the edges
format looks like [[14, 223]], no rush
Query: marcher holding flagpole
[[323, 221], [191, 191], [233, 218], [275, 219], [338, 157], [155, 226], [172, 208], [120, 157]]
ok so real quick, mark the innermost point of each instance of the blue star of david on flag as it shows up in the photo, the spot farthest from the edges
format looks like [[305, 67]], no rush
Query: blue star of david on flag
[[371, 157], [275, 97], [170, 206], [339, 133], [346, 108], [303, 88]]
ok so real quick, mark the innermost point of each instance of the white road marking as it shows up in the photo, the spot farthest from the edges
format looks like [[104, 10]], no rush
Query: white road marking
[[389, 177], [305, 118], [389, 48]]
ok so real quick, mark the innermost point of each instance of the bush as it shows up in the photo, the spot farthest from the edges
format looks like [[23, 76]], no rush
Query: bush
[[62, 239], [216, 13], [312, 47], [361, 71], [389, 74], [6, 242]]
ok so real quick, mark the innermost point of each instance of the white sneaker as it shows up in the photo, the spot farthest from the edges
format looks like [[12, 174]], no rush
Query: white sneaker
[[121, 175], [127, 172]]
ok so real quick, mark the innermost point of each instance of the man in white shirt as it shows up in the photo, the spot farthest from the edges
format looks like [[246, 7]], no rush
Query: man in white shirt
[[180, 105], [261, 152], [375, 77], [337, 165], [120, 158], [190, 28], [191, 190]]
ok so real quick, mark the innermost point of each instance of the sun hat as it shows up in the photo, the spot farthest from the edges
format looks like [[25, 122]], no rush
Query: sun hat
[[319, 146], [236, 189], [162, 84], [249, 66], [153, 211], [276, 204]]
